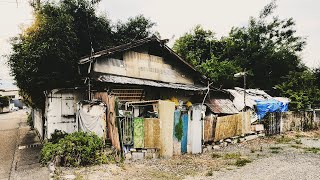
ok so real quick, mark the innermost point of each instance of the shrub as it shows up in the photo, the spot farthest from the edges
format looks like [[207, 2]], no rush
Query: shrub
[[57, 135], [242, 162], [76, 149]]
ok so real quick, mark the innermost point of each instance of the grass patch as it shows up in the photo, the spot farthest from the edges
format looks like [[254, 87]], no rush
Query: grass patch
[[275, 148], [312, 149], [296, 146], [232, 155], [284, 140], [242, 162], [215, 155]]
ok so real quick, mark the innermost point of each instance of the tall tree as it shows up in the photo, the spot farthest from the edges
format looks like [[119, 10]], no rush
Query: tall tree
[[45, 55], [268, 48]]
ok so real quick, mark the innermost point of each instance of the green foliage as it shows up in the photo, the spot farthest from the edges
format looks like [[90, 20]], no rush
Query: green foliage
[[232, 155], [220, 72], [57, 135], [45, 55], [267, 48], [242, 162], [302, 89], [76, 149], [178, 129], [4, 101], [195, 46]]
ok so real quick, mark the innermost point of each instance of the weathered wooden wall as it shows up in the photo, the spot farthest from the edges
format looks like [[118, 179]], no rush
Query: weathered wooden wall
[[233, 125], [144, 66]]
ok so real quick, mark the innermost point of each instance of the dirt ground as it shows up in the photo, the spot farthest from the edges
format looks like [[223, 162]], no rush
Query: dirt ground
[[290, 156]]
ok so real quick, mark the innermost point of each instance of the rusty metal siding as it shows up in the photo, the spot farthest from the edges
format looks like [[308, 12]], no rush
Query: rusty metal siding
[[222, 106]]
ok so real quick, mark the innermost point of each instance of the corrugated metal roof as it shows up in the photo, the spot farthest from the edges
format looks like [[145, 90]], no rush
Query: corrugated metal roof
[[251, 96], [222, 106], [143, 82]]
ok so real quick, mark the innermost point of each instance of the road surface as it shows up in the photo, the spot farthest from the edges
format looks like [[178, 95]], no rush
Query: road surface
[[9, 124]]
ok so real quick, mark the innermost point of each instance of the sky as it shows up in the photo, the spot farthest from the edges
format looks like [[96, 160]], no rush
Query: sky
[[176, 17]]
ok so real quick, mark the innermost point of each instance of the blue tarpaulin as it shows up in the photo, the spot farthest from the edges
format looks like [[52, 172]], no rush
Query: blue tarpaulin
[[270, 105]]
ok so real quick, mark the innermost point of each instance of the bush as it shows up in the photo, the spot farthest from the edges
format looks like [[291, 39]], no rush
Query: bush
[[76, 149], [57, 135]]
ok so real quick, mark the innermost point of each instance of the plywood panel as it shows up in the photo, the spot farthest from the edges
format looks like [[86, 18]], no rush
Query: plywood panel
[[166, 114], [228, 126], [152, 133]]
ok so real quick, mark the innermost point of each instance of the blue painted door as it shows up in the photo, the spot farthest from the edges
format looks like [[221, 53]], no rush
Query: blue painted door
[[177, 132], [184, 141]]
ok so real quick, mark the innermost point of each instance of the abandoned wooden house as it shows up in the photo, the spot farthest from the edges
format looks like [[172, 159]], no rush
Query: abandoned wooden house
[[144, 99], [144, 86]]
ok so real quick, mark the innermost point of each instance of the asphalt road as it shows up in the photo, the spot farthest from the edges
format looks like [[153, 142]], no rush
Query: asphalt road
[[9, 124]]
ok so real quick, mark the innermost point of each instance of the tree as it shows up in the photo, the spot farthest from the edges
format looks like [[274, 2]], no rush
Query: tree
[[135, 28], [195, 46], [46, 54], [203, 50], [220, 72], [301, 88], [268, 48]]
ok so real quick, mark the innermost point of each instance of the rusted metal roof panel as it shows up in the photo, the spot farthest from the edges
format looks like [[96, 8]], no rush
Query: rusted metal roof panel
[[143, 82], [222, 106]]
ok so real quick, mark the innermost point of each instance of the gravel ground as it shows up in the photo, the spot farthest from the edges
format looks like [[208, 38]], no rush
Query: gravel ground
[[281, 157]]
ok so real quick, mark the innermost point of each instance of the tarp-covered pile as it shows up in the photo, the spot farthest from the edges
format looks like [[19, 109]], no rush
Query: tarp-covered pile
[[270, 105]]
